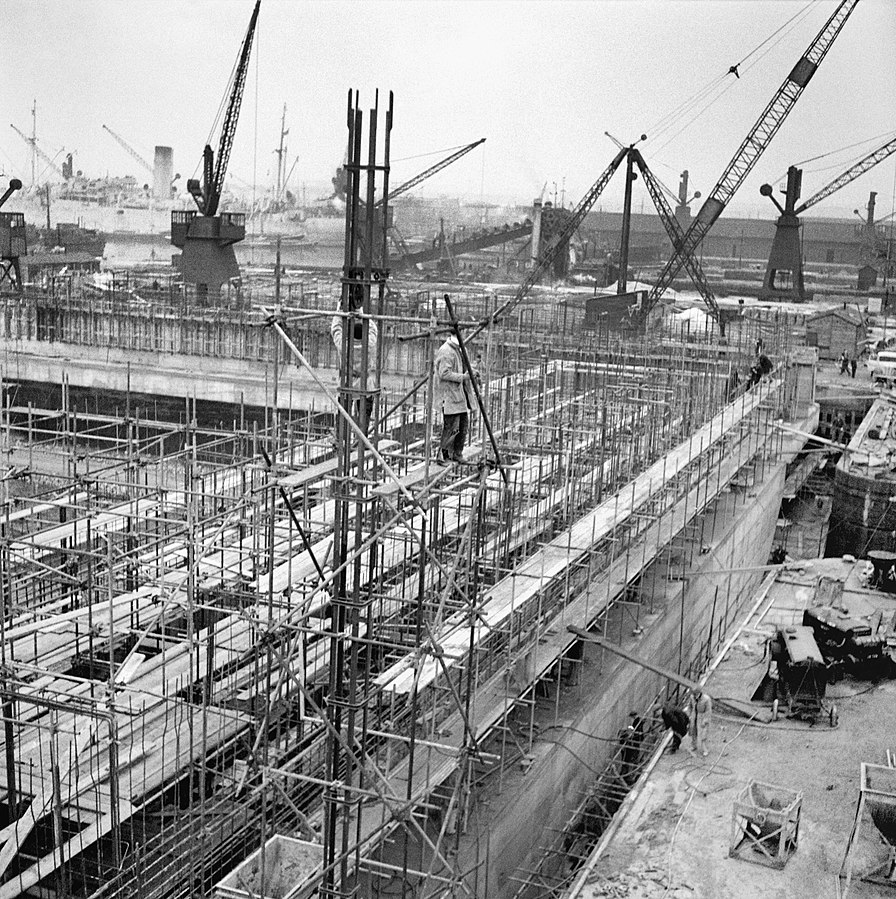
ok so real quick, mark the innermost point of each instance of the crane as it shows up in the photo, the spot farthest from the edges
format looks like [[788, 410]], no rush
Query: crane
[[432, 170], [12, 240], [32, 142], [853, 172], [208, 194], [129, 149], [676, 233], [558, 241], [784, 272], [751, 149], [207, 238], [396, 238]]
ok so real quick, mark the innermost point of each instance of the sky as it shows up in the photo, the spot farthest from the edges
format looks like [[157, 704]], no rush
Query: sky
[[542, 80]]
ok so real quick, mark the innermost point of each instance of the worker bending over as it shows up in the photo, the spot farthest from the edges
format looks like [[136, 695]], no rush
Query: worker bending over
[[675, 719]]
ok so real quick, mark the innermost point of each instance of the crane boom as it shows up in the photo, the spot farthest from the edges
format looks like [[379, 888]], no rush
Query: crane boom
[[676, 235], [228, 129], [546, 259], [752, 147], [428, 173], [128, 148], [862, 166], [33, 143]]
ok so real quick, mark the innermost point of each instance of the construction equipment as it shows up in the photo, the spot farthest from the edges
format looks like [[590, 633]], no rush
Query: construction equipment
[[849, 644], [445, 249], [405, 257], [877, 248], [675, 233], [432, 170], [205, 237], [802, 674], [784, 273], [129, 149], [765, 824], [12, 240], [751, 149], [560, 238], [877, 801]]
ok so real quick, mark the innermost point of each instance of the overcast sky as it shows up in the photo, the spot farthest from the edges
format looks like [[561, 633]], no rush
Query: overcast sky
[[542, 81]]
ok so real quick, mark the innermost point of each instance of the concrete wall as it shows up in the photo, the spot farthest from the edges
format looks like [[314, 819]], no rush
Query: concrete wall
[[738, 534], [209, 378]]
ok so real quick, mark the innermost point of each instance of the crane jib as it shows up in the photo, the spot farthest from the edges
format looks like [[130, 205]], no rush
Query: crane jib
[[751, 149], [802, 72]]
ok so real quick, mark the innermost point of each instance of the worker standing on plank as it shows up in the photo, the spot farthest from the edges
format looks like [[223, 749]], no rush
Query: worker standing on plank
[[702, 719], [451, 393]]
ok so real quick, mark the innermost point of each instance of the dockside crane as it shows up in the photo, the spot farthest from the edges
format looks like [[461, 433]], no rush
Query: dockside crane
[[36, 149], [129, 149], [676, 234], [206, 237], [12, 241], [393, 233], [784, 272], [748, 154], [559, 239], [432, 170]]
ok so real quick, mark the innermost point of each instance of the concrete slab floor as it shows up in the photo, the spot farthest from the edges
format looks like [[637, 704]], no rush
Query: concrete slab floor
[[675, 841]]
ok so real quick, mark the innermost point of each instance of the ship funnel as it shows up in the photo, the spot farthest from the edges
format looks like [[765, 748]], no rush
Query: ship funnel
[[162, 173]]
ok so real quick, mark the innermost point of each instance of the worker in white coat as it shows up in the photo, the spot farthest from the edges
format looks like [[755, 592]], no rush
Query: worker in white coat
[[452, 386], [701, 719]]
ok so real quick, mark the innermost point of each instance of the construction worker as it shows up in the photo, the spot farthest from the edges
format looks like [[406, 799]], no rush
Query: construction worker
[[838, 428], [452, 386], [701, 720], [675, 719], [363, 406]]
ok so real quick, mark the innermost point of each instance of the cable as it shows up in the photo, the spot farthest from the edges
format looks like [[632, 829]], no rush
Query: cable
[[794, 16], [858, 143], [433, 153], [224, 100], [790, 25], [688, 804], [851, 695]]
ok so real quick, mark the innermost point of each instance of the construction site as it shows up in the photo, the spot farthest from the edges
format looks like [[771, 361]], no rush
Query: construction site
[[220, 634], [263, 637]]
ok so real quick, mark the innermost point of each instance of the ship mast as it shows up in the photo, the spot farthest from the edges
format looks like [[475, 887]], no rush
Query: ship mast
[[281, 157]]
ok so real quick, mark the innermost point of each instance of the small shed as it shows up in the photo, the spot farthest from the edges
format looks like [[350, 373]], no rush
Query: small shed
[[834, 331], [610, 310], [692, 324], [47, 265], [867, 277]]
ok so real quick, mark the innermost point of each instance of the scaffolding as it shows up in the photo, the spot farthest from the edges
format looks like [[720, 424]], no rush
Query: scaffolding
[[298, 626]]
